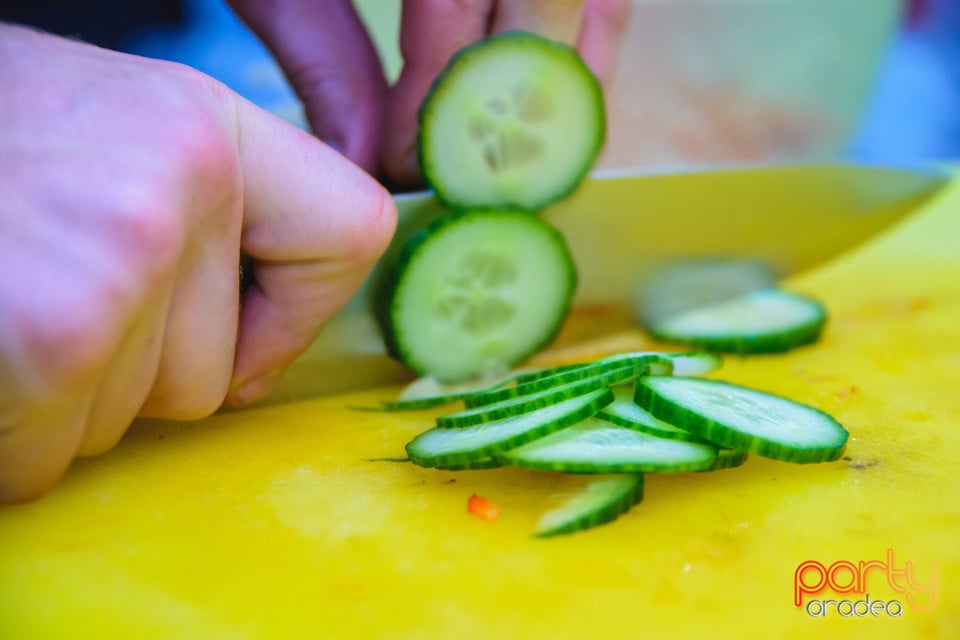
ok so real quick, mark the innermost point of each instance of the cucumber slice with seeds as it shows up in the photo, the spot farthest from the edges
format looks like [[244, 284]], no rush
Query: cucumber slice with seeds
[[763, 321], [512, 119], [477, 292], [743, 419], [595, 446], [602, 500], [444, 447]]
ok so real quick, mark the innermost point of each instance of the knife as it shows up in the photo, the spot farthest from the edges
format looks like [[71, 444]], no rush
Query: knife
[[631, 233]]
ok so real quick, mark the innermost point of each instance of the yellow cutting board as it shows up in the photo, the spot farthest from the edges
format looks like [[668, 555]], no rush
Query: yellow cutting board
[[274, 523]]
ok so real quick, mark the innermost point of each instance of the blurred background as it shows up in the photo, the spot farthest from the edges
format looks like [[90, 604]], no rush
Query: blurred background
[[700, 82]]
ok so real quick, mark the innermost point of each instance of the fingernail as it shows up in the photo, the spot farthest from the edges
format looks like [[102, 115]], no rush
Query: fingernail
[[254, 389]]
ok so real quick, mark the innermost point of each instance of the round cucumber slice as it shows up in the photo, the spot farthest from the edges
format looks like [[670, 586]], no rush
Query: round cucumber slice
[[596, 446], [762, 321], [440, 447], [477, 292], [602, 500], [624, 412], [513, 119], [743, 419]]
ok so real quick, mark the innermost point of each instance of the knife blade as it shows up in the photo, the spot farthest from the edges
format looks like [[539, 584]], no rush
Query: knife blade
[[625, 228]]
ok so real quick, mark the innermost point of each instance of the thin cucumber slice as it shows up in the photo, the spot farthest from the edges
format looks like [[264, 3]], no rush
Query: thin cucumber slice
[[609, 370], [687, 283], [763, 321], [513, 119], [427, 393], [444, 447], [514, 406], [728, 459], [694, 363], [744, 419], [624, 412], [602, 500], [659, 363], [477, 292], [470, 465], [595, 446]]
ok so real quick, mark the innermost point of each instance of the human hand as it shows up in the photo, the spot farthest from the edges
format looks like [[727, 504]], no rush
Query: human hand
[[332, 64], [433, 30], [129, 189], [328, 57]]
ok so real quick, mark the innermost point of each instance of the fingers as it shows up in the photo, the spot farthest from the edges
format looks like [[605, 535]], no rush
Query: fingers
[[333, 66], [314, 225], [193, 374], [554, 19], [32, 460], [125, 381], [601, 35], [433, 30], [430, 32]]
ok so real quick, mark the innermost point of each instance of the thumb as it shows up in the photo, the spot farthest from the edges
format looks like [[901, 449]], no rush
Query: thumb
[[331, 62]]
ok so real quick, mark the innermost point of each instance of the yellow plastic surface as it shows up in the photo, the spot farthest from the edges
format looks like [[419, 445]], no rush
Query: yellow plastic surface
[[274, 523]]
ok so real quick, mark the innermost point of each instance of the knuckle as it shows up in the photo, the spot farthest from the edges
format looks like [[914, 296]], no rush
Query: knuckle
[[198, 131], [70, 347], [151, 237], [374, 219]]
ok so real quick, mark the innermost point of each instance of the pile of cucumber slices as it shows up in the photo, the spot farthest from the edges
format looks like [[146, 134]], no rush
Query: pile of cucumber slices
[[513, 124], [620, 417]]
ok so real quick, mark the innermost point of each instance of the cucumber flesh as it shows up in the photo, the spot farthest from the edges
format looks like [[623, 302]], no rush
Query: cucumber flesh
[[602, 500], [477, 292], [513, 119], [595, 446], [624, 412], [693, 363], [763, 321], [444, 447], [743, 419], [427, 393]]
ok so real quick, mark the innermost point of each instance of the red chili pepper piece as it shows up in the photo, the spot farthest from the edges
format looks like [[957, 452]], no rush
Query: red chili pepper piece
[[482, 508]]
